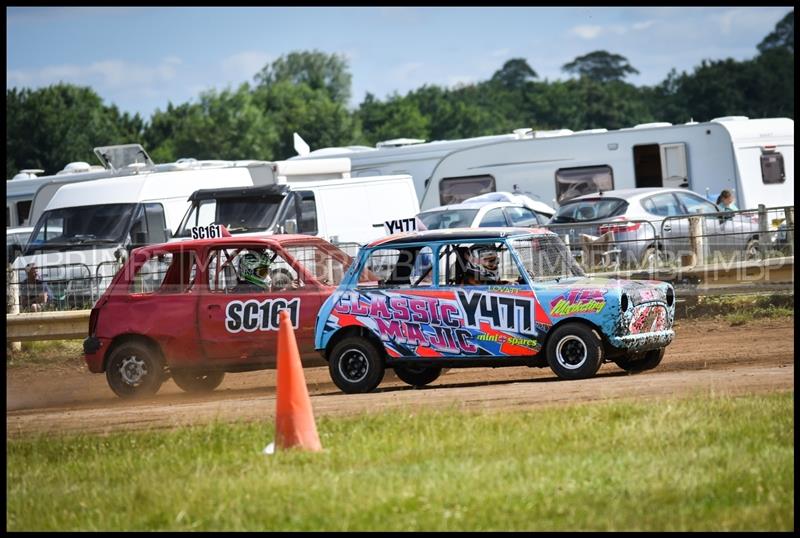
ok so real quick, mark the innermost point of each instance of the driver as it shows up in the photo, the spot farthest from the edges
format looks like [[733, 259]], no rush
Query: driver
[[253, 273], [482, 267]]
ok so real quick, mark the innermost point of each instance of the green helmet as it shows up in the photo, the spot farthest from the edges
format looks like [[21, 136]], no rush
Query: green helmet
[[254, 268]]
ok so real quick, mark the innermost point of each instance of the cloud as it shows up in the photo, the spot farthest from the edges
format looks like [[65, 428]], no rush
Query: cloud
[[244, 65], [644, 25], [586, 31], [106, 74]]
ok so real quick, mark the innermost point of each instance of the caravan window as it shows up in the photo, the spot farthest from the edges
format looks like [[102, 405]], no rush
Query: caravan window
[[453, 190], [772, 170], [23, 210], [572, 182]]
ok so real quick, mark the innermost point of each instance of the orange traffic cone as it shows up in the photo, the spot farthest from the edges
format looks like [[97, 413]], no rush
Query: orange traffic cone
[[294, 419]]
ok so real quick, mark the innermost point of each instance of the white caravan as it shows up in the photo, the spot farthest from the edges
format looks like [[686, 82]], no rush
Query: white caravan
[[21, 190], [752, 157], [89, 227], [345, 210]]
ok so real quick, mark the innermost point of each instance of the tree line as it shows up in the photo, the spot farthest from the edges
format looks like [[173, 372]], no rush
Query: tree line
[[308, 91]]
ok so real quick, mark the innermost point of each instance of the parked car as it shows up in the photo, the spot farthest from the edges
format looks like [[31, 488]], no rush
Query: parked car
[[481, 214], [485, 297], [194, 310], [16, 238], [636, 217]]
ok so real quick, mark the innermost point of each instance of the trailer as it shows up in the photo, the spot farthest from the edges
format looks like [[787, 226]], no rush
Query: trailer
[[754, 158]]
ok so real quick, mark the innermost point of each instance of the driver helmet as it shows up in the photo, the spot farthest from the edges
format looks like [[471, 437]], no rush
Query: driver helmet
[[482, 264], [254, 268]]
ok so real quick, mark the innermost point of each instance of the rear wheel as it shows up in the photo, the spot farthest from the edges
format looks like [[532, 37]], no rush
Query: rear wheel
[[134, 370], [356, 365], [635, 364], [574, 351], [195, 380], [418, 376]]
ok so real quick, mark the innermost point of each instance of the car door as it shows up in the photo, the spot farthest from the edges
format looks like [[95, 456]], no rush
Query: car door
[[673, 232], [239, 323]]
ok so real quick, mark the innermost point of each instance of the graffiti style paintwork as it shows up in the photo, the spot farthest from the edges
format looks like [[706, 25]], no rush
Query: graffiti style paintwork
[[508, 320]]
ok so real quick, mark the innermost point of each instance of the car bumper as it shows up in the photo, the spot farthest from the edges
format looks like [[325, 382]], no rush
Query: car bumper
[[94, 350], [643, 341]]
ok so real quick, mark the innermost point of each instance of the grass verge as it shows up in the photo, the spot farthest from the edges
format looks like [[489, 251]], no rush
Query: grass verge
[[701, 463], [739, 309]]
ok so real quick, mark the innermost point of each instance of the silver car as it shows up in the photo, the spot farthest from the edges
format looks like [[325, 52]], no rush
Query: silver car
[[643, 228]]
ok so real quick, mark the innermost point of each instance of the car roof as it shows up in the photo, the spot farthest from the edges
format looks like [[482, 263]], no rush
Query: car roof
[[627, 194], [450, 234], [268, 240], [471, 205]]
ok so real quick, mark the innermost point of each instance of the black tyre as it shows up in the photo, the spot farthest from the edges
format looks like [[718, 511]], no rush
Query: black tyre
[[195, 380], [356, 365], [134, 370], [574, 351], [635, 364], [418, 376]]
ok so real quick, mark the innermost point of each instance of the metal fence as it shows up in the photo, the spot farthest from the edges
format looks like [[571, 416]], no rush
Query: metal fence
[[728, 239], [722, 238]]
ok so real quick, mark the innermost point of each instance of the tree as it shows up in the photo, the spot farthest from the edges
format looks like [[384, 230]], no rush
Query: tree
[[319, 71], [601, 66], [49, 127], [514, 74], [782, 37], [398, 117]]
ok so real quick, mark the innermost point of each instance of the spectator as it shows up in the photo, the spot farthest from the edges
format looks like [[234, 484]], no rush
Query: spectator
[[726, 201], [34, 292]]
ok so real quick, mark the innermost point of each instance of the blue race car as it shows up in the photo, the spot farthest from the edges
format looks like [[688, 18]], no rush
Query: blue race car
[[423, 301]]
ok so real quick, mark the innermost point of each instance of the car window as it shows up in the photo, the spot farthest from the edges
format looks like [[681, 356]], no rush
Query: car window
[[663, 205], [590, 209], [477, 264], [546, 257], [327, 265], [165, 273], [521, 216], [408, 266], [250, 270], [495, 217], [449, 218], [695, 204]]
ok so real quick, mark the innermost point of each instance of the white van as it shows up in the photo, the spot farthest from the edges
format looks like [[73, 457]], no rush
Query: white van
[[345, 210], [89, 227]]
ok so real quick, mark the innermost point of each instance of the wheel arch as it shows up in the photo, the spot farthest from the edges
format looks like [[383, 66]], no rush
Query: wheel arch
[[352, 330], [133, 337], [578, 321]]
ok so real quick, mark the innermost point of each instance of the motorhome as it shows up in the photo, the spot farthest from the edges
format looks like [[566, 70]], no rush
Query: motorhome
[[344, 210], [752, 157], [88, 228], [21, 190]]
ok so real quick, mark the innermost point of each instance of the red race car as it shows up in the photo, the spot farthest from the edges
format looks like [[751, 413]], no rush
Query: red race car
[[194, 310]]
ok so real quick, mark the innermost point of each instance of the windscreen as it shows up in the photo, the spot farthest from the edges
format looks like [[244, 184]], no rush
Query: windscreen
[[451, 218], [546, 257], [73, 227], [238, 215], [590, 209]]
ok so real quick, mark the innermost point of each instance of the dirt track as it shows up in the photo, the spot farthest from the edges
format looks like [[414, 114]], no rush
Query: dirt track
[[706, 357]]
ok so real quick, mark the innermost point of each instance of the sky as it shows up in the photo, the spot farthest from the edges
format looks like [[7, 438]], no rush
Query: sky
[[142, 58]]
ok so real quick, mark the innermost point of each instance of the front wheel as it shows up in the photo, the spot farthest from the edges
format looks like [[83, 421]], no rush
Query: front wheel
[[198, 381], [418, 376], [650, 360], [574, 351], [134, 370], [356, 365]]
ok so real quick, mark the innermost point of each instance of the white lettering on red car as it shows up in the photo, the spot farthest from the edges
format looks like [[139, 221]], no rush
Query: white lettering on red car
[[254, 315]]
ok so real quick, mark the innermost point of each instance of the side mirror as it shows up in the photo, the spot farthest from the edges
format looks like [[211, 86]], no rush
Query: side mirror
[[290, 226], [139, 239]]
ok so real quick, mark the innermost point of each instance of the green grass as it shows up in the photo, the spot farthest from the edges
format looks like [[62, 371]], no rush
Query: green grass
[[701, 463], [739, 309], [45, 353]]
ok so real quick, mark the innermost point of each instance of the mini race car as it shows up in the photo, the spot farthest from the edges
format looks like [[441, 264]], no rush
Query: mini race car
[[423, 301], [194, 310]]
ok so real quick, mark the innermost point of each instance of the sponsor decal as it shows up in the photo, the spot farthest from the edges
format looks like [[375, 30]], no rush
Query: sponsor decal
[[579, 301], [446, 324], [254, 315]]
